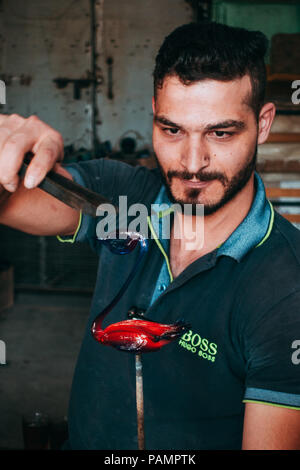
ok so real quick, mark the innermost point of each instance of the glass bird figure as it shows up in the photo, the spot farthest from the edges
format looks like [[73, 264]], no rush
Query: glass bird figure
[[136, 334]]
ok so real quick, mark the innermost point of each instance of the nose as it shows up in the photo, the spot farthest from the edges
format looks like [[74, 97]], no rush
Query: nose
[[195, 154]]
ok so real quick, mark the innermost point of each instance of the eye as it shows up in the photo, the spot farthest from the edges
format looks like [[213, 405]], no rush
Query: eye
[[223, 134], [171, 130]]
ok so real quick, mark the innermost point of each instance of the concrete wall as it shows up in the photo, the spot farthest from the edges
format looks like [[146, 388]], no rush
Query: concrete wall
[[132, 33], [44, 40]]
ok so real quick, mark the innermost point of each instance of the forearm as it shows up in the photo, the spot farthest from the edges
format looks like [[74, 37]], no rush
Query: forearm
[[269, 427], [36, 212]]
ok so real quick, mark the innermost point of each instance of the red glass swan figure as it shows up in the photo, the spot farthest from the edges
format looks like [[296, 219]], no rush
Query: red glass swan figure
[[137, 334]]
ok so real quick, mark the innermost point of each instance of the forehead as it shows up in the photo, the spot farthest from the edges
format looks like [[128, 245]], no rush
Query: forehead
[[205, 101]]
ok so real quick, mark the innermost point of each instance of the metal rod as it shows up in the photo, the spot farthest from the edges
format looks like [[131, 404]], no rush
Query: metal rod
[[67, 191], [42, 260], [93, 74], [140, 402]]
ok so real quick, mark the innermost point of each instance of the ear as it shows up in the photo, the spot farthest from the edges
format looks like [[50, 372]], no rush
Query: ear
[[153, 104], [266, 117]]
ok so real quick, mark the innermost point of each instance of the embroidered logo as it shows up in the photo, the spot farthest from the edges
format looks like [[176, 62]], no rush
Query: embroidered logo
[[202, 347]]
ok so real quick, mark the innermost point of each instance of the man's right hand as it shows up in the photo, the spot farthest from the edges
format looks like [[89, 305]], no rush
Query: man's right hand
[[27, 207], [19, 135]]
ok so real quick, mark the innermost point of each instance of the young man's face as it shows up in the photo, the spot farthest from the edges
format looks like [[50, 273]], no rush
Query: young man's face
[[205, 140]]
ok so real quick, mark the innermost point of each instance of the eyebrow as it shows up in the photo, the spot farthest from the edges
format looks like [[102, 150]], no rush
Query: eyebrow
[[218, 125]]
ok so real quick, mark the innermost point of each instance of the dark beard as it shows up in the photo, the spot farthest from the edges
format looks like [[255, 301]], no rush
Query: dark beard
[[233, 187]]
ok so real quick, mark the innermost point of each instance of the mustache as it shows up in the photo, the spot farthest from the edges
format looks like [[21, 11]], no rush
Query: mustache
[[199, 175]]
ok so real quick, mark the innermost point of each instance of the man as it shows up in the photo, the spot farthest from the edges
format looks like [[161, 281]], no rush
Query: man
[[230, 381]]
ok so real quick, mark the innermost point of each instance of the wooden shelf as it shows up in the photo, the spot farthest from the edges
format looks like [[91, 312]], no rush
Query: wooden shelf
[[274, 192], [283, 137], [278, 166], [294, 218], [281, 77]]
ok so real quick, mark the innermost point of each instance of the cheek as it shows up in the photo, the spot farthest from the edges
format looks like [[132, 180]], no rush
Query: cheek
[[168, 153], [156, 141], [161, 149], [230, 159]]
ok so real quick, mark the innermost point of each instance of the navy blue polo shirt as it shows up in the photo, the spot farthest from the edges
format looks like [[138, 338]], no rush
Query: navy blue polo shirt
[[242, 302], [253, 231]]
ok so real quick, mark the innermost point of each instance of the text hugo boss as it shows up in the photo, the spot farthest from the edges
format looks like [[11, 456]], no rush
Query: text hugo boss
[[194, 343]]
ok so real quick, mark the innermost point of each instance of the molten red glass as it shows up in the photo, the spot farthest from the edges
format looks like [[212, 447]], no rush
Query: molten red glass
[[136, 335]]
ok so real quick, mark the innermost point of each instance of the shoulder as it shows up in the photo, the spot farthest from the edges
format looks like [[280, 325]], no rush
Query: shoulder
[[101, 167], [114, 178], [288, 235], [270, 274]]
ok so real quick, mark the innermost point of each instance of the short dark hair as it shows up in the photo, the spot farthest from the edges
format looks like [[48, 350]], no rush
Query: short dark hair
[[210, 50]]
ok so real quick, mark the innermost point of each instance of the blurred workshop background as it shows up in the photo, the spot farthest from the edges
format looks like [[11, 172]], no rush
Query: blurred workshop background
[[85, 67]]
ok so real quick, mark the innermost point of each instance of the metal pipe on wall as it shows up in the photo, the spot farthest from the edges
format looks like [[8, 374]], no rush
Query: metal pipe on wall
[[93, 76]]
